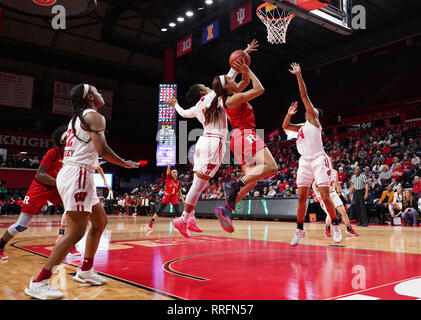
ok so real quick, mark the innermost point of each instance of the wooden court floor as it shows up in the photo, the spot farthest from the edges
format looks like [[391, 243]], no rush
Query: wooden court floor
[[254, 262]]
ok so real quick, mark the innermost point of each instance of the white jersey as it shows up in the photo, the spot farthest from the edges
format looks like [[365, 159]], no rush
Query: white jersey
[[218, 128], [309, 140], [78, 152]]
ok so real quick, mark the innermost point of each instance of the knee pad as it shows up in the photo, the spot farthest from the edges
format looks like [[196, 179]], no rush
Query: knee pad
[[21, 225]]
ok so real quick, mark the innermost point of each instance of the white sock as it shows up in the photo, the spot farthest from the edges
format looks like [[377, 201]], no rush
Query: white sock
[[184, 216], [191, 216]]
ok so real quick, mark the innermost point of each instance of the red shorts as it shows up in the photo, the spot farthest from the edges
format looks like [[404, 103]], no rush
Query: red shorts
[[167, 199], [37, 196], [245, 143]]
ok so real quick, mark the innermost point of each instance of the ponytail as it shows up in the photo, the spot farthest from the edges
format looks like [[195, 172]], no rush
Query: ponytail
[[213, 113]]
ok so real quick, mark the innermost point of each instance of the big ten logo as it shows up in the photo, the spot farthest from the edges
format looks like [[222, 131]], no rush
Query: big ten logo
[[241, 14], [59, 20], [186, 45], [359, 17]]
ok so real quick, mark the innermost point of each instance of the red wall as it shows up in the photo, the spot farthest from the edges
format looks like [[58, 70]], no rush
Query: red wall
[[17, 178]]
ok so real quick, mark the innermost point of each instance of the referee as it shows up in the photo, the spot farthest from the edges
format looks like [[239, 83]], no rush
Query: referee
[[358, 194]]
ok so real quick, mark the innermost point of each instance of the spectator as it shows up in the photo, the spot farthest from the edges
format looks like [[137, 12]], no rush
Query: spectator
[[271, 193], [416, 189], [409, 209], [398, 173], [377, 168], [377, 157], [415, 159], [382, 207], [395, 208], [385, 176], [341, 175]]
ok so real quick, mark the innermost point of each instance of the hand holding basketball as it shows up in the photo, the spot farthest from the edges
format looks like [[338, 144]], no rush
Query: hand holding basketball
[[296, 69], [293, 108], [238, 55], [240, 66]]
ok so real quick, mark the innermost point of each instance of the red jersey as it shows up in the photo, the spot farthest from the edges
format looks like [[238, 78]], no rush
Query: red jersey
[[242, 117], [172, 186], [53, 161]]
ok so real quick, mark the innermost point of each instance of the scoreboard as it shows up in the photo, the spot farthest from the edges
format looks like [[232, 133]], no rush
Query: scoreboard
[[166, 136]]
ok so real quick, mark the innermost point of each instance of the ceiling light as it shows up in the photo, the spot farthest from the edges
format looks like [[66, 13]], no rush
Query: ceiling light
[[189, 13], [208, 2], [164, 29], [180, 19], [172, 24]]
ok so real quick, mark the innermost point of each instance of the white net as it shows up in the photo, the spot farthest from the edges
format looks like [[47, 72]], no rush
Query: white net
[[276, 21]]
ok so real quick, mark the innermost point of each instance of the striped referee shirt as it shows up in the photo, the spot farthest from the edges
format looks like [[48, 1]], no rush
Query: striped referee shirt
[[359, 182]]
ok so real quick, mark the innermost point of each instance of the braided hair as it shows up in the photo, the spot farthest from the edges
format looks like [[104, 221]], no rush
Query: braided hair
[[56, 135], [79, 105], [194, 95]]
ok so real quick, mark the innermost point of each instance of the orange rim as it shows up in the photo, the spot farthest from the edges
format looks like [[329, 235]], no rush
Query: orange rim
[[264, 5]]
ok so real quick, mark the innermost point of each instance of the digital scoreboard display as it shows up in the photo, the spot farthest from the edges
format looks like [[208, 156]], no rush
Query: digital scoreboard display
[[166, 136]]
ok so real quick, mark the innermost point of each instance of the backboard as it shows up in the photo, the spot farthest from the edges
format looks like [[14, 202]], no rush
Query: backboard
[[332, 14]]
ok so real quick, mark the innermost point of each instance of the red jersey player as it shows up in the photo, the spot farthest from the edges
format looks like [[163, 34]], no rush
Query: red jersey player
[[42, 189], [172, 193], [249, 149]]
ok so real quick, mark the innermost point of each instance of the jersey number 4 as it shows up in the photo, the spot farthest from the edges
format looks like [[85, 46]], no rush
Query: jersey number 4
[[300, 134]]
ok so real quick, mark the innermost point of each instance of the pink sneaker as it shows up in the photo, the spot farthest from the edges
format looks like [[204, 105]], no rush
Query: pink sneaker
[[149, 226], [59, 237], [74, 252], [2, 256], [181, 226], [192, 226]]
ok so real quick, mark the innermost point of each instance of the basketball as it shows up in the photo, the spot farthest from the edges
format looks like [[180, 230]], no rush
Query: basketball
[[238, 54]]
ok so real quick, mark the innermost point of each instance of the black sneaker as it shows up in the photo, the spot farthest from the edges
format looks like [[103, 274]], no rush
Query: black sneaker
[[224, 217], [230, 195]]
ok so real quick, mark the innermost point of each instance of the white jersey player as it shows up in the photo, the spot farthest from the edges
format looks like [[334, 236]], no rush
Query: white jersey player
[[314, 163], [75, 183], [335, 187], [210, 148]]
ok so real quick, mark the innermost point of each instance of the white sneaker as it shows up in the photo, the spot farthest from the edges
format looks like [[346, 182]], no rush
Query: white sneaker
[[42, 290], [89, 276], [337, 234], [299, 234]]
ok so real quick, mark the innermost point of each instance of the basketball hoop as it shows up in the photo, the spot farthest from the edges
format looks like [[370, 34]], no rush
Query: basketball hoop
[[276, 21]]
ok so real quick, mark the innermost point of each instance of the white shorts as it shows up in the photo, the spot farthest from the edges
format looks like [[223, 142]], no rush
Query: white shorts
[[337, 202], [76, 187], [208, 155], [314, 169]]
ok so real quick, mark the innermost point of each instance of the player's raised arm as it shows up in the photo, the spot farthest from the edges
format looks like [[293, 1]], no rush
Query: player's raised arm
[[97, 124], [245, 76], [287, 125], [311, 111], [169, 168], [239, 98], [188, 113]]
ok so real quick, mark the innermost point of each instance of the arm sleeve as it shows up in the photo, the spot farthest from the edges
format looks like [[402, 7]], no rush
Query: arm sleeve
[[189, 113], [232, 74]]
